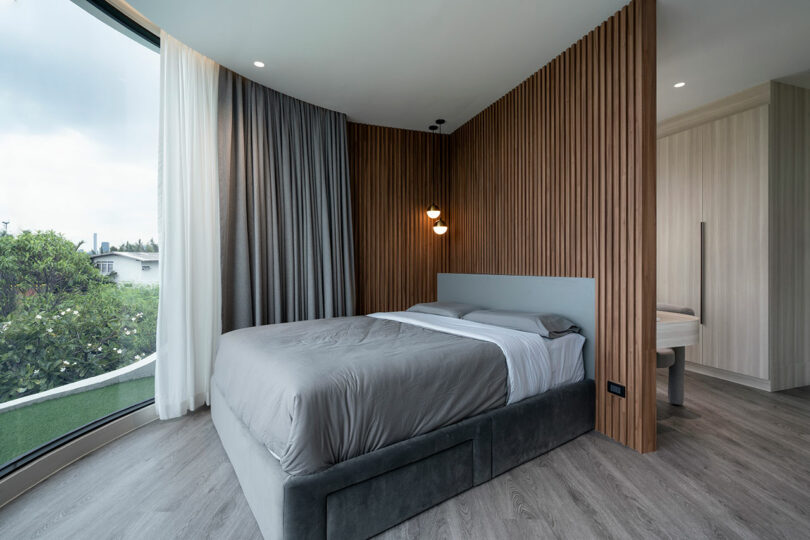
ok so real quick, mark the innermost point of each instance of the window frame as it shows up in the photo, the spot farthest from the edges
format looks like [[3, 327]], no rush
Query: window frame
[[120, 21], [105, 267], [108, 14]]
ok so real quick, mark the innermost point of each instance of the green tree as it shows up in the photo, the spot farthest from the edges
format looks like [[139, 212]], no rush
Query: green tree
[[66, 322], [149, 247], [42, 263]]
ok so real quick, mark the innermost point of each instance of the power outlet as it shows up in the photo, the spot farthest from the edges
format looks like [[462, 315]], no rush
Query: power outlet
[[616, 389]]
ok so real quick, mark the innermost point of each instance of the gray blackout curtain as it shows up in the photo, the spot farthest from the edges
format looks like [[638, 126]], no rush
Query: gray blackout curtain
[[285, 211]]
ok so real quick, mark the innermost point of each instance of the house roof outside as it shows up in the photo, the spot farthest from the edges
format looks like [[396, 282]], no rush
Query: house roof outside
[[142, 256]]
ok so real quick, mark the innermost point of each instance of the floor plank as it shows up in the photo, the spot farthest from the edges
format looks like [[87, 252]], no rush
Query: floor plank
[[733, 463]]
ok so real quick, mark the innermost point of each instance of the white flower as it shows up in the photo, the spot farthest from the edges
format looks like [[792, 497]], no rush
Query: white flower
[[38, 316], [119, 351], [66, 362], [133, 319], [61, 370], [74, 363], [36, 371], [127, 332], [89, 345], [75, 312], [62, 313], [50, 330], [135, 331], [99, 348]]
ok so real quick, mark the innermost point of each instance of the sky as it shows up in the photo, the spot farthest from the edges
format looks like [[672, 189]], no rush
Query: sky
[[79, 116]]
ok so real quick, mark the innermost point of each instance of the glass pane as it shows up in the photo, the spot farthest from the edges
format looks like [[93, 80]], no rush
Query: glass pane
[[79, 265]]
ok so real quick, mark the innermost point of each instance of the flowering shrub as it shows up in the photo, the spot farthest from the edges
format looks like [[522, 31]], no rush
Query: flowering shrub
[[78, 328]]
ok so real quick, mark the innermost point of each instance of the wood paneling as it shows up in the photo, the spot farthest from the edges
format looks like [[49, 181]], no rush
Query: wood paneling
[[739, 102], [735, 209], [745, 156], [679, 213], [396, 174], [558, 178], [789, 229]]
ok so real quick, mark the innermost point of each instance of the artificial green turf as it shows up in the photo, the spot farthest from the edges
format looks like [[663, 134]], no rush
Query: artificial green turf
[[23, 429]]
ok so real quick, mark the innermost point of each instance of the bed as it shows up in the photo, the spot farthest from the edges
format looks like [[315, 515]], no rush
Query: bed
[[342, 428]]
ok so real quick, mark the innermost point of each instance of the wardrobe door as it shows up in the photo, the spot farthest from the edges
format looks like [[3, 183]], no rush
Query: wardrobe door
[[735, 205], [678, 216]]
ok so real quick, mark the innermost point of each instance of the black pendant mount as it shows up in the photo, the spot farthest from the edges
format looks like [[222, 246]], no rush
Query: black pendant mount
[[437, 125]]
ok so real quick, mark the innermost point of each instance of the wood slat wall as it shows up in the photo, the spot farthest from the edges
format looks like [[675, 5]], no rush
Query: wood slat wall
[[556, 178], [395, 175]]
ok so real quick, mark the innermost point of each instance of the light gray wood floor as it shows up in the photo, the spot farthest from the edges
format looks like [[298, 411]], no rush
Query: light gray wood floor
[[733, 463]]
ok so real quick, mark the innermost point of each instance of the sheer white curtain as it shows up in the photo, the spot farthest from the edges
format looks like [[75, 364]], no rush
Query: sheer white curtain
[[189, 316]]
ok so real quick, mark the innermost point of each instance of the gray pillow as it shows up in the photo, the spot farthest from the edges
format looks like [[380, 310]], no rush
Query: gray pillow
[[547, 325], [446, 309]]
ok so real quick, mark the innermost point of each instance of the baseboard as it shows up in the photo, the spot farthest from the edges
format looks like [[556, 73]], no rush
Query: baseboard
[[745, 380], [18, 482]]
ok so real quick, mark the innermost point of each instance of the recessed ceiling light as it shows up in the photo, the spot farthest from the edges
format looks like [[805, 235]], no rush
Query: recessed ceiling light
[[679, 84], [258, 63]]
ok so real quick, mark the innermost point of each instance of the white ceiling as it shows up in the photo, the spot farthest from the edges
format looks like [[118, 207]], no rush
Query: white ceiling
[[400, 63], [406, 63], [720, 47]]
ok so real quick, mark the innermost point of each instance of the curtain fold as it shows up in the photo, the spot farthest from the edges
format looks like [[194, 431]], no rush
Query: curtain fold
[[189, 313], [285, 210]]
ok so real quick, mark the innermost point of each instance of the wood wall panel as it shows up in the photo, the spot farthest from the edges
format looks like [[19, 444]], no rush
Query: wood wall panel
[[395, 175], [734, 190], [789, 230], [558, 178], [679, 192]]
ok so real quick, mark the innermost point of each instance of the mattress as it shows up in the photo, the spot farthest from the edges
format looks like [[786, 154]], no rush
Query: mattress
[[316, 393]]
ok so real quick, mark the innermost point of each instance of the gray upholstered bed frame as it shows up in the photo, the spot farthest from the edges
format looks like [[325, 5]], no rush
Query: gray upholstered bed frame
[[370, 493]]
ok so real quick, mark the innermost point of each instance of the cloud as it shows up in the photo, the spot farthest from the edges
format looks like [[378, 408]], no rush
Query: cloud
[[60, 66], [66, 182], [79, 106]]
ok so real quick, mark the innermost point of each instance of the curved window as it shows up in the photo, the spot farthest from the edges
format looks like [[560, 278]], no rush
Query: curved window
[[79, 112]]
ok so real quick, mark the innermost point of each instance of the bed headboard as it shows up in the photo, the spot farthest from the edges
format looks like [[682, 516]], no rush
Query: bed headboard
[[574, 298]]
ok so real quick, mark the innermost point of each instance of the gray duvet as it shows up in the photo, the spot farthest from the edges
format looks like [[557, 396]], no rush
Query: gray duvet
[[319, 392]]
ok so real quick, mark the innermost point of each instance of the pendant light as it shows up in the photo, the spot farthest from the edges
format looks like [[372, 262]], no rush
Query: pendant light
[[433, 211]]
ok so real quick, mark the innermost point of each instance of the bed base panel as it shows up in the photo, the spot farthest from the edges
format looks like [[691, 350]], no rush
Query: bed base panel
[[373, 492]]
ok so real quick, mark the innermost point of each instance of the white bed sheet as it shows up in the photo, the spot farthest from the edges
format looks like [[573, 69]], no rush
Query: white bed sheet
[[567, 364], [532, 367]]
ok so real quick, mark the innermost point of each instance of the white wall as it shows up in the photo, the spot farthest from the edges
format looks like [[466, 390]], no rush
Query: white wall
[[130, 270]]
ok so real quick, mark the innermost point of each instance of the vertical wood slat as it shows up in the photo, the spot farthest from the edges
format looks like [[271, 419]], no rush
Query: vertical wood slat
[[555, 178], [581, 149], [396, 174]]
